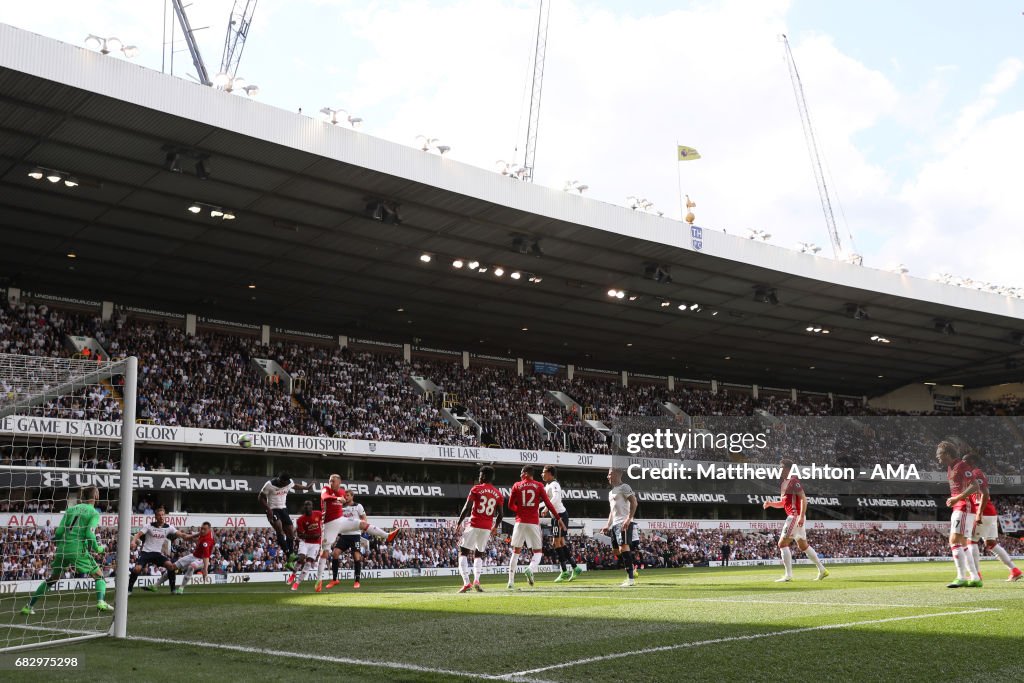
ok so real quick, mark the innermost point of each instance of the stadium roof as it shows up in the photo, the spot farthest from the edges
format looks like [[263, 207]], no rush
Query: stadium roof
[[300, 187]]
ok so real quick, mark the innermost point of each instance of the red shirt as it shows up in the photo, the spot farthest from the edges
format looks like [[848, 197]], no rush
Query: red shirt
[[960, 477], [990, 506], [332, 504], [525, 500], [309, 527], [791, 489], [484, 501], [204, 547]]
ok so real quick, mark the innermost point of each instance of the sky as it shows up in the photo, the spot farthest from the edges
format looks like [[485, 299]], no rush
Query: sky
[[918, 105]]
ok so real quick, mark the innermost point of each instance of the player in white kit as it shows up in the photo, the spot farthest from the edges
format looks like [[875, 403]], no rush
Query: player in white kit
[[623, 503], [273, 497], [349, 540], [155, 536], [558, 544]]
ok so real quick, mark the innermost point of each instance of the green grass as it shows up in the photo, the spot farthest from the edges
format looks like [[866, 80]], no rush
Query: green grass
[[721, 624]]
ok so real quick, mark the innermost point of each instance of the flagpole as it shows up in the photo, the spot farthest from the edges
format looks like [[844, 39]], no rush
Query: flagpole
[[679, 183]]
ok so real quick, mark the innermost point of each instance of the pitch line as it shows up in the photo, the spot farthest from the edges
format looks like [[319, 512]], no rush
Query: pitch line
[[281, 653], [730, 639], [402, 666]]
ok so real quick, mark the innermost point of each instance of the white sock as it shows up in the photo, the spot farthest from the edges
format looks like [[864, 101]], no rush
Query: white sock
[[188, 577], [376, 531], [1003, 556], [164, 579], [813, 557], [787, 560], [959, 557], [535, 560], [464, 569], [972, 569], [512, 567], [976, 556], [478, 568], [321, 563]]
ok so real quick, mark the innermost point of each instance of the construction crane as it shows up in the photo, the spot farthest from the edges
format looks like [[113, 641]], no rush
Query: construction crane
[[812, 148], [543, 17], [234, 42], [190, 41]]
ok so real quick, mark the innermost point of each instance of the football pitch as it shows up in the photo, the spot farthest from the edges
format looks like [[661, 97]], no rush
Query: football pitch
[[865, 622]]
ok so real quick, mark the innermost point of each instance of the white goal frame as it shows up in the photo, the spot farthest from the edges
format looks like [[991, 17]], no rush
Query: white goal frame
[[129, 368]]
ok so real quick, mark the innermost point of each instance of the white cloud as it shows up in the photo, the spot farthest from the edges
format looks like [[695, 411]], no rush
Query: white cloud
[[1004, 78], [967, 215]]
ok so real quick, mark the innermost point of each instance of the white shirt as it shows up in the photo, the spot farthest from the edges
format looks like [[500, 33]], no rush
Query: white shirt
[[353, 512], [618, 498], [554, 491], [276, 495], [155, 536]]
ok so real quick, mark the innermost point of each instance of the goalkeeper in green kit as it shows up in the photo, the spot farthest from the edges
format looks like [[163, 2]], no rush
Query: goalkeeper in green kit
[[76, 542]]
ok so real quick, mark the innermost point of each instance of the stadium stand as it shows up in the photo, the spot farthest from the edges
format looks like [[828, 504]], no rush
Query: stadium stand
[[209, 380]]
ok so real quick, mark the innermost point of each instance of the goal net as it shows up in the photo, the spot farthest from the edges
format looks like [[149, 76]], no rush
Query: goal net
[[66, 457]]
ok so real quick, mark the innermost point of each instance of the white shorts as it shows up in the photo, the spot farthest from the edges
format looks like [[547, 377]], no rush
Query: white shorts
[[309, 549], [791, 530], [336, 527], [988, 529], [961, 523], [528, 535], [475, 539], [184, 563]]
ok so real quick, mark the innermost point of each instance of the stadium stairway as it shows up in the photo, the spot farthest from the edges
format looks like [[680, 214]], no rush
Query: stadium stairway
[[108, 385], [84, 347], [298, 401], [566, 401], [274, 373], [299, 407]]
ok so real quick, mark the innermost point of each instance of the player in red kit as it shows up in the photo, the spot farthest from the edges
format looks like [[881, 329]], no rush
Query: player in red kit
[[199, 560], [525, 500], [309, 528], [961, 486], [793, 500], [332, 504], [483, 505], [986, 525]]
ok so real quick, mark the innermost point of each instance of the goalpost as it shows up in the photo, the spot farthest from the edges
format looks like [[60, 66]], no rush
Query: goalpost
[[65, 425]]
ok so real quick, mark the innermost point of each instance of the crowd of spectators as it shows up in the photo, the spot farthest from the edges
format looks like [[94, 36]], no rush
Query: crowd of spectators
[[205, 380], [364, 396], [210, 380], [27, 329], [28, 551]]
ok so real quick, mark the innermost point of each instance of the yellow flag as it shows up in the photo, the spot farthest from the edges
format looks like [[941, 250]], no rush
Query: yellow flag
[[688, 153]]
